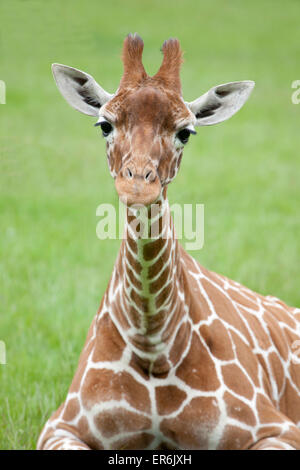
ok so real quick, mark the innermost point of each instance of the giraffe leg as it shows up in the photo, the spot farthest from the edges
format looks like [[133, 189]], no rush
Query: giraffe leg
[[59, 435], [286, 440], [60, 439], [64, 443], [272, 443]]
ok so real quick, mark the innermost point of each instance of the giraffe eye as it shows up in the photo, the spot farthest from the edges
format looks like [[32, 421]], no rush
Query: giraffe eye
[[106, 127], [184, 135]]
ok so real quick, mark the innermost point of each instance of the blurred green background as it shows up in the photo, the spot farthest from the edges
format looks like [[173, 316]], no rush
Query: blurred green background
[[53, 172]]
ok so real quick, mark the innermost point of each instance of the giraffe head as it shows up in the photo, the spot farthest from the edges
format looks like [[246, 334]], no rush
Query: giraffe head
[[146, 122]]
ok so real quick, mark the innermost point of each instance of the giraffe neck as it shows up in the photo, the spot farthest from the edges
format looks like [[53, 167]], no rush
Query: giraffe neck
[[151, 305]]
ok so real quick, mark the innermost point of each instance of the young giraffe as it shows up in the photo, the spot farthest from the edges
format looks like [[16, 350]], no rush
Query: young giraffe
[[177, 357]]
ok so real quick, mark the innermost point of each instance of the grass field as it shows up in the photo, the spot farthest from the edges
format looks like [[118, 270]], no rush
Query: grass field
[[53, 172]]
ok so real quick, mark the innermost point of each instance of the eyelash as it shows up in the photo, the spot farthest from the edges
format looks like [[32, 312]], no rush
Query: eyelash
[[106, 127], [184, 135]]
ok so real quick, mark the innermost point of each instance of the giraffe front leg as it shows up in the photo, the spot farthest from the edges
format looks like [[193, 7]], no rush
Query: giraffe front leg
[[59, 439], [63, 443], [59, 434], [273, 443], [288, 440]]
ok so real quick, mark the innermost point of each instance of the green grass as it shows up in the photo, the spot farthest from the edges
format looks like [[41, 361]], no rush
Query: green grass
[[53, 172]]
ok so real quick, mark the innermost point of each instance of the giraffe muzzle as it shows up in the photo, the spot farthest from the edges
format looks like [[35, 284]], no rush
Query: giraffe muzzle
[[136, 186]]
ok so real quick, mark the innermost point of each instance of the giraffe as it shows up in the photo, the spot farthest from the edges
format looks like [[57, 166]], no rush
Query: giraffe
[[177, 356]]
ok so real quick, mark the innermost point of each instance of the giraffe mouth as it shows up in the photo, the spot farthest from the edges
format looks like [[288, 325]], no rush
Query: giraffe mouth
[[137, 190]]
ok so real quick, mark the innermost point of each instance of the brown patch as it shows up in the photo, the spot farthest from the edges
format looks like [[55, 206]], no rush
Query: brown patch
[[134, 316], [155, 268], [140, 366], [218, 341], [192, 427], [235, 438], [290, 402], [197, 369], [224, 308], [138, 441], [136, 266], [273, 436], [155, 286], [71, 410], [190, 263], [267, 412], [103, 385], [161, 367], [257, 329], [237, 409], [168, 399], [87, 436], [156, 322], [118, 312], [268, 431], [151, 249], [242, 300], [246, 358], [252, 295], [164, 295], [133, 279], [291, 336], [236, 380], [281, 315], [198, 306], [180, 343], [118, 420], [216, 278], [131, 242], [277, 335], [109, 344], [142, 303]]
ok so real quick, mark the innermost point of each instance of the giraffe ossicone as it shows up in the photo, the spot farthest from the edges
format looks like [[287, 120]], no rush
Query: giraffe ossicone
[[177, 357]]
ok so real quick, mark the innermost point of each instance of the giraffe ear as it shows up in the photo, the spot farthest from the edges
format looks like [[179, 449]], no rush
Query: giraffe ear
[[220, 102], [79, 89]]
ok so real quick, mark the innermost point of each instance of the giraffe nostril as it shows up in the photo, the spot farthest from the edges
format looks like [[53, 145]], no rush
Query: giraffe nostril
[[149, 176], [128, 173]]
